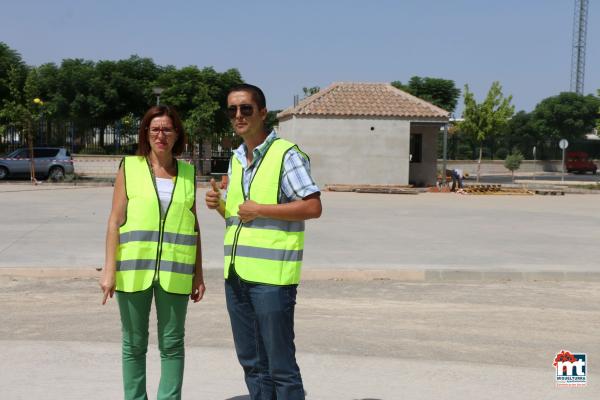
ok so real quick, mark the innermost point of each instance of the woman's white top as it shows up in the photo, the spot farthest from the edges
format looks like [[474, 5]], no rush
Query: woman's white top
[[164, 186]]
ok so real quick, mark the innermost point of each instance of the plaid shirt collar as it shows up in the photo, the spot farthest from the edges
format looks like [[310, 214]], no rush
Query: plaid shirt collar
[[257, 153]]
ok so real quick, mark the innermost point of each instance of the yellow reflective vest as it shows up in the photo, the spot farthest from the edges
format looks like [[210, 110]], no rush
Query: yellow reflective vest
[[151, 248], [264, 250]]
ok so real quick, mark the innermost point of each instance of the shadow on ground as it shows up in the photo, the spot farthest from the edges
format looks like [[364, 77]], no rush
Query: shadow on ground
[[248, 398]]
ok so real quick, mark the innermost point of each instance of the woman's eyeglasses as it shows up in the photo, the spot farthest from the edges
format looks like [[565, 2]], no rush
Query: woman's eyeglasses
[[245, 109], [165, 131]]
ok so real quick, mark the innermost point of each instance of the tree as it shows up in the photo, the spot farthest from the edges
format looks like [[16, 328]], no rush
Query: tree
[[520, 133], [75, 80], [568, 115], [271, 121], [200, 97], [513, 163], [10, 60], [185, 90], [203, 90], [440, 92], [21, 110], [99, 93], [13, 73], [487, 118], [122, 87], [48, 88], [218, 86], [309, 91], [13, 108], [24, 107], [598, 120]]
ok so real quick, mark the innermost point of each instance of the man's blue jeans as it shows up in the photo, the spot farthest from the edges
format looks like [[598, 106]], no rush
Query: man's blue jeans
[[262, 320]]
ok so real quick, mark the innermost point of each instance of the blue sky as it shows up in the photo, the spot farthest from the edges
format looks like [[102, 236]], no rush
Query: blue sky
[[285, 45]]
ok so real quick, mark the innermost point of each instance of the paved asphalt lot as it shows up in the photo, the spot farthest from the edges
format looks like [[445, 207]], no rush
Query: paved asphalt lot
[[65, 227], [363, 331]]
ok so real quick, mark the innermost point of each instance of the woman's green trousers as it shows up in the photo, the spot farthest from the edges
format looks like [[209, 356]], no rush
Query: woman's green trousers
[[135, 312]]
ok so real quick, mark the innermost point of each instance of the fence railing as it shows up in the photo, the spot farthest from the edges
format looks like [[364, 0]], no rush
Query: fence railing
[[79, 137], [460, 148], [112, 138]]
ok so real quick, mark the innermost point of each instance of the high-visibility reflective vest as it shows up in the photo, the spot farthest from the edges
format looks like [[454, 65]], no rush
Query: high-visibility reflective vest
[[264, 250], [151, 248]]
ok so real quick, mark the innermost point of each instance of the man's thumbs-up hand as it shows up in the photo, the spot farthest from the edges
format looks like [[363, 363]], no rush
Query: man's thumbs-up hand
[[213, 196]]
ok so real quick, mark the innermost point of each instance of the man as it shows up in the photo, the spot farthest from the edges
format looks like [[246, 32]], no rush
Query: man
[[457, 178], [269, 196]]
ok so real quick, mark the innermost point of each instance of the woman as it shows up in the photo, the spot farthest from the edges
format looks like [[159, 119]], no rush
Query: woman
[[153, 250]]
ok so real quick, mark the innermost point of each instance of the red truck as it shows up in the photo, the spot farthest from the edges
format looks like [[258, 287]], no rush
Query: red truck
[[579, 162]]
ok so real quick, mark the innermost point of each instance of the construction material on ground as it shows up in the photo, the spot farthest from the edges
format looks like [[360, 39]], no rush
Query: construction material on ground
[[495, 190], [551, 192], [386, 190], [381, 189]]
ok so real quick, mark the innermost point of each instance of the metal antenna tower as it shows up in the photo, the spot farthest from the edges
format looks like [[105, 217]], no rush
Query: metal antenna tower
[[579, 39]]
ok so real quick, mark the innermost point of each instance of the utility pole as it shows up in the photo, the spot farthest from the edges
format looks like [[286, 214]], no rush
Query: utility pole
[[579, 45]]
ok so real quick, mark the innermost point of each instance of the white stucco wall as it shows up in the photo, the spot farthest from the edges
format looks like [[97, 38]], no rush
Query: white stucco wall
[[347, 151]]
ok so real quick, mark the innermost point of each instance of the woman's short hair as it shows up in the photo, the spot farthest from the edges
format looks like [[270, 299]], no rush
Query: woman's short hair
[[159, 111]]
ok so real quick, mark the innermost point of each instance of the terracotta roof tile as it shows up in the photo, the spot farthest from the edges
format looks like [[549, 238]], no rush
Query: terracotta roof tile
[[365, 99]]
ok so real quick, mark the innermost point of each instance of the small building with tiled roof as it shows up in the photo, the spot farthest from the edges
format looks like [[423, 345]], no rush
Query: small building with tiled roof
[[366, 133]]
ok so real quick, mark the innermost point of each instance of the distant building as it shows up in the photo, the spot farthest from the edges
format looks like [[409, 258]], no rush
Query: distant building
[[366, 133]]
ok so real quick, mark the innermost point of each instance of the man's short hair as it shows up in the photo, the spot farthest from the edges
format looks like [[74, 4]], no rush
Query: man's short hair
[[257, 94]]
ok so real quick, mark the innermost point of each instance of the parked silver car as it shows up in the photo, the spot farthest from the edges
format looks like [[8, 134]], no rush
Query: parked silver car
[[49, 162]]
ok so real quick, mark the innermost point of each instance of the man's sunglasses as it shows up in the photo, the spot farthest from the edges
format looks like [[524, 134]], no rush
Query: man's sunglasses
[[245, 109]]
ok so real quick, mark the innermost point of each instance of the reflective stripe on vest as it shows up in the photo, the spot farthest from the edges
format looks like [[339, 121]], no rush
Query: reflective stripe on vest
[[268, 223], [170, 266], [151, 248], [266, 254], [264, 250], [153, 236]]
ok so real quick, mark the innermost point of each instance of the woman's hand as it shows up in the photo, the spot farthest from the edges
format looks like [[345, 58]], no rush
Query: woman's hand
[[116, 219], [107, 285], [198, 288]]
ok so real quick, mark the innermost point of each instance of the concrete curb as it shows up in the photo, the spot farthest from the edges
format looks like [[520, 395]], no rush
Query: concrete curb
[[571, 188], [60, 185], [446, 275], [413, 275], [201, 182], [541, 185], [555, 183], [507, 276]]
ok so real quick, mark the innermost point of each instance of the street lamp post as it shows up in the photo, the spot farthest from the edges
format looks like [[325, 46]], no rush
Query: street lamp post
[[563, 144], [157, 91], [445, 154], [39, 103], [445, 148], [534, 163]]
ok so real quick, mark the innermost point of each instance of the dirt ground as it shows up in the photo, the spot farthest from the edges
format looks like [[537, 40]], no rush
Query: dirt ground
[[503, 323]]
